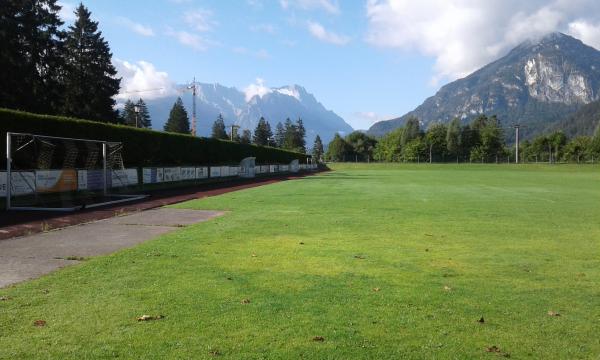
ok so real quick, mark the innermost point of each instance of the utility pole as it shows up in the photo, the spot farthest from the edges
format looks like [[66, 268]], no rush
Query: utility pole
[[193, 87]]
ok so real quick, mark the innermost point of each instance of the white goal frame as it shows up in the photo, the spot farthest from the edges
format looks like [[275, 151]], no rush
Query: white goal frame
[[120, 198]]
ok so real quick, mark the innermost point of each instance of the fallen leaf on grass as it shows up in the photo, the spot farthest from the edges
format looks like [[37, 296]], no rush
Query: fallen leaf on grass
[[481, 320], [376, 289], [253, 255], [149, 317], [39, 323], [318, 338], [493, 349], [553, 313], [447, 288], [245, 301], [496, 350]]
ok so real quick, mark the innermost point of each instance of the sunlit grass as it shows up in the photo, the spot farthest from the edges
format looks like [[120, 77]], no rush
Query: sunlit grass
[[382, 261]]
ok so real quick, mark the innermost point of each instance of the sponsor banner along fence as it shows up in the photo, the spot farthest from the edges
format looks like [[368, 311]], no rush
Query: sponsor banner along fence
[[46, 181]]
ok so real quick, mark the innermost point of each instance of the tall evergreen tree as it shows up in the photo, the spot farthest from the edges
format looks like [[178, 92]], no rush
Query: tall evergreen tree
[[289, 130], [299, 137], [178, 121], [31, 56], [317, 150], [279, 135], [246, 137], [90, 74], [218, 129], [262, 133], [144, 120], [128, 114]]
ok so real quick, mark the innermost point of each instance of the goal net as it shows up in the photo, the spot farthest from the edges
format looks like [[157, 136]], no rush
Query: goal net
[[57, 173]]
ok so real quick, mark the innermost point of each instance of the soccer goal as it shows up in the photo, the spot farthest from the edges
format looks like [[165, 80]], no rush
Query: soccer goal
[[64, 174]]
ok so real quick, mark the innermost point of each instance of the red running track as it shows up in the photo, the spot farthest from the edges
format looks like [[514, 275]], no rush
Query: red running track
[[20, 223]]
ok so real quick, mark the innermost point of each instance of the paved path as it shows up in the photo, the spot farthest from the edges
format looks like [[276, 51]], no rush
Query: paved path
[[32, 256], [19, 223]]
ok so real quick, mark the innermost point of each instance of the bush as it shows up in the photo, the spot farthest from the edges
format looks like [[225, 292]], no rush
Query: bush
[[142, 147]]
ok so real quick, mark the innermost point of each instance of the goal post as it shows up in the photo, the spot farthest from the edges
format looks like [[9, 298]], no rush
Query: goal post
[[63, 174]]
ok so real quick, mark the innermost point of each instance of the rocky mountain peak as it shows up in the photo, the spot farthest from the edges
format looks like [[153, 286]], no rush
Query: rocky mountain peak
[[540, 81]]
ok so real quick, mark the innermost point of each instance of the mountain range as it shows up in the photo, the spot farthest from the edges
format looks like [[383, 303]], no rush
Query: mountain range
[[539, 84], [274, 104]]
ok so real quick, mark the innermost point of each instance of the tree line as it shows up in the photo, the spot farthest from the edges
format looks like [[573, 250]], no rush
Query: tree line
[[288, 135], [481, 140]]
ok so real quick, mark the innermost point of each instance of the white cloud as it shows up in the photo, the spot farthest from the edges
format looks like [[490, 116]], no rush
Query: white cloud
[[141, 79], [586, 32], [463, 35], [330, 6], [200, 20], [317, 30], [257, 89], [188, 39], [67, 11], [136, 27]]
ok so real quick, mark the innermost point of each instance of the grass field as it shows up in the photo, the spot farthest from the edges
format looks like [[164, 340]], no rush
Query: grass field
[[381, 261]]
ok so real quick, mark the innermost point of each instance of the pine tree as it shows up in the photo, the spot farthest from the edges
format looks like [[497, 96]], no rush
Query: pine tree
[[246, 137], [262, 133], [299, 137], [289, 134], [218, 129], [279, 135], [31, 56], [143, 115], [128, 113], [317, 150], [90, 74], [179, 121]]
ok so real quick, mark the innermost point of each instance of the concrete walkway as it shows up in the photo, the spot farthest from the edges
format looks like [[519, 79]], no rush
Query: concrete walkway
[[29, 257]]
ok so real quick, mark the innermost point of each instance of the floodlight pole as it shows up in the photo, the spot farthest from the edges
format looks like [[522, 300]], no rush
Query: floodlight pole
[[104, 176], [517, 144], [136, 109], [8, 173], [193, 87]]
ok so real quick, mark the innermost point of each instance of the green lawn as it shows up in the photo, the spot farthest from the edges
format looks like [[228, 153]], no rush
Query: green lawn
[[382, 261]]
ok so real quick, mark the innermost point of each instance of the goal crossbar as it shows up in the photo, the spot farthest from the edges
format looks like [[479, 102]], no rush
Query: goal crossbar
[[114, 198]]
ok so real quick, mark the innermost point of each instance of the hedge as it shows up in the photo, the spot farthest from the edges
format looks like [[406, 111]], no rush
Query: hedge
[[142, 147]]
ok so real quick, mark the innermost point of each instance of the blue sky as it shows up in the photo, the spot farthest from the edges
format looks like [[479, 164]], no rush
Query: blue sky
[[366, 60], [236, 41]]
